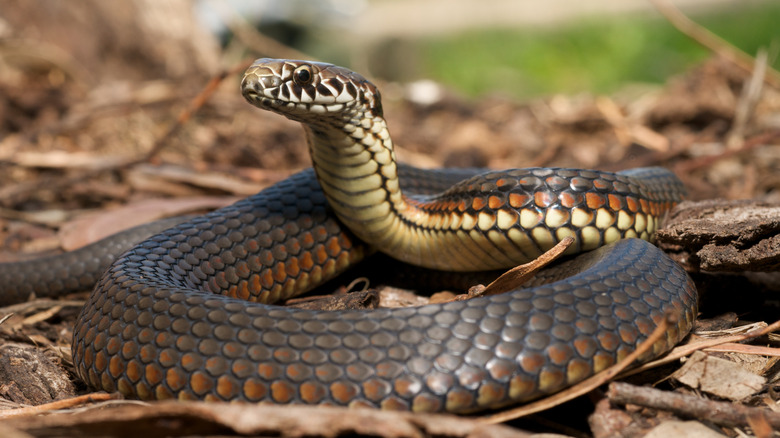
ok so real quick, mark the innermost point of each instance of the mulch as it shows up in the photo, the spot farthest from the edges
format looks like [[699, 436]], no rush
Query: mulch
[[91, 103]]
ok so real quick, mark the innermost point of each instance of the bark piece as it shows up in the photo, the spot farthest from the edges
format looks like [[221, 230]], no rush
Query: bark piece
[[29, 377], [724, 236]]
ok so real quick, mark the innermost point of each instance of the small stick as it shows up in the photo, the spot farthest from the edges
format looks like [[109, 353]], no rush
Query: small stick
[[711, 41], [721, 413], [59, 404], [195, 104], [749, 144], [748, 100]]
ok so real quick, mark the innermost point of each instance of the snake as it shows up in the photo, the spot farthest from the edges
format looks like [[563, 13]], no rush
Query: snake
[[188, 312]]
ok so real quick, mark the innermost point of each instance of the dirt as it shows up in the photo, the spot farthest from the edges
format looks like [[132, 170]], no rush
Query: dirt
[[88, 90]]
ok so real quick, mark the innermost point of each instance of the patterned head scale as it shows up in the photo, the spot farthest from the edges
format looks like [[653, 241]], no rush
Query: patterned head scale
[[297, 89]]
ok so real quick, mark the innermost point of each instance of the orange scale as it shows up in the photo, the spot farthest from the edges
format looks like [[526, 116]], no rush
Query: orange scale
[[267, 279], [609, 341], [322, 256], [307, 239], [254, 284], [495, 202], [532, 362], [242, 290], [615, 202], [154, 374], [175, 379], [594, 200], [282, 392], [292, 267], [101, 361], [478, 203], [254, 390], [148, 353], [632, 203], [343, 392], [544, 199], [517, 200], [116, 366], [569, 200], [232, 292], [312, 392], [334, 247], [305, 261], [166, 357], [279, 273], [227, 388], [134, 371], [267, 371]]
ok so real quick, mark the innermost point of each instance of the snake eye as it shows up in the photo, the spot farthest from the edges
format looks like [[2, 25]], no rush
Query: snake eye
[[303, 75]]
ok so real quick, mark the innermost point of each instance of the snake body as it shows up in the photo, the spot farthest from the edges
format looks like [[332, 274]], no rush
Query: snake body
[[183, 314]]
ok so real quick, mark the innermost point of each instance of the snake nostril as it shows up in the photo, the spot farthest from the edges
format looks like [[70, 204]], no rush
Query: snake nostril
[[270, 81]]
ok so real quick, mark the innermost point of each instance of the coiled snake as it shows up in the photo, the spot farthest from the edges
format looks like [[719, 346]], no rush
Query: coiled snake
[[180, 315]]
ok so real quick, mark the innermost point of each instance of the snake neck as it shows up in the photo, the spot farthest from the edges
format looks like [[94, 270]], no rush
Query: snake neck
[[355, 164]]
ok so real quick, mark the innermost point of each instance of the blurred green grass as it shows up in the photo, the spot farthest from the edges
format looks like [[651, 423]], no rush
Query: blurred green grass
[[598, 56]]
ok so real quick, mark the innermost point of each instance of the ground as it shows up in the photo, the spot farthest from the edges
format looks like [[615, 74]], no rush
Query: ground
[[90, 141]]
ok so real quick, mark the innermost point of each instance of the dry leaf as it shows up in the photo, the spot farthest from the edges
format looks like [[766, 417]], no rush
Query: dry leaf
[[719, 377], [91, 228]]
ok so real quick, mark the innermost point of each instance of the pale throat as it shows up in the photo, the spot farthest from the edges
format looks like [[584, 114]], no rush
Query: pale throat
[[355, 163]]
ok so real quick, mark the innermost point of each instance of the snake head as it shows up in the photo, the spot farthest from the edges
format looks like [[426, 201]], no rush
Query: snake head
[[301, 89]]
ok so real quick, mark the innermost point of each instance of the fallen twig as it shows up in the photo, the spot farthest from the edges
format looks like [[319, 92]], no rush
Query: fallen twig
[[749, 144], [251, 37], [711, 41], [39, 303], [195, 104], [59, 404], [722, 413], [748, 100]]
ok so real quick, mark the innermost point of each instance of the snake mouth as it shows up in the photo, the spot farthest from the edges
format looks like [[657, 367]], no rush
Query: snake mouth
[[260, 100], [280, 106]]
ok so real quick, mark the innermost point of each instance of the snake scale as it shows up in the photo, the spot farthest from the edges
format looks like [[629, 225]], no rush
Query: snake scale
[[183, 315]]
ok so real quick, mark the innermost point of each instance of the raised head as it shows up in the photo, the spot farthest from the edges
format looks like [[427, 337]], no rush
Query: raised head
[[301, 90]]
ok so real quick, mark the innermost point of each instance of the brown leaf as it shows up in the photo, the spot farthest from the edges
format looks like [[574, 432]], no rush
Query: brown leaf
[[88, 229], [719, 377]]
